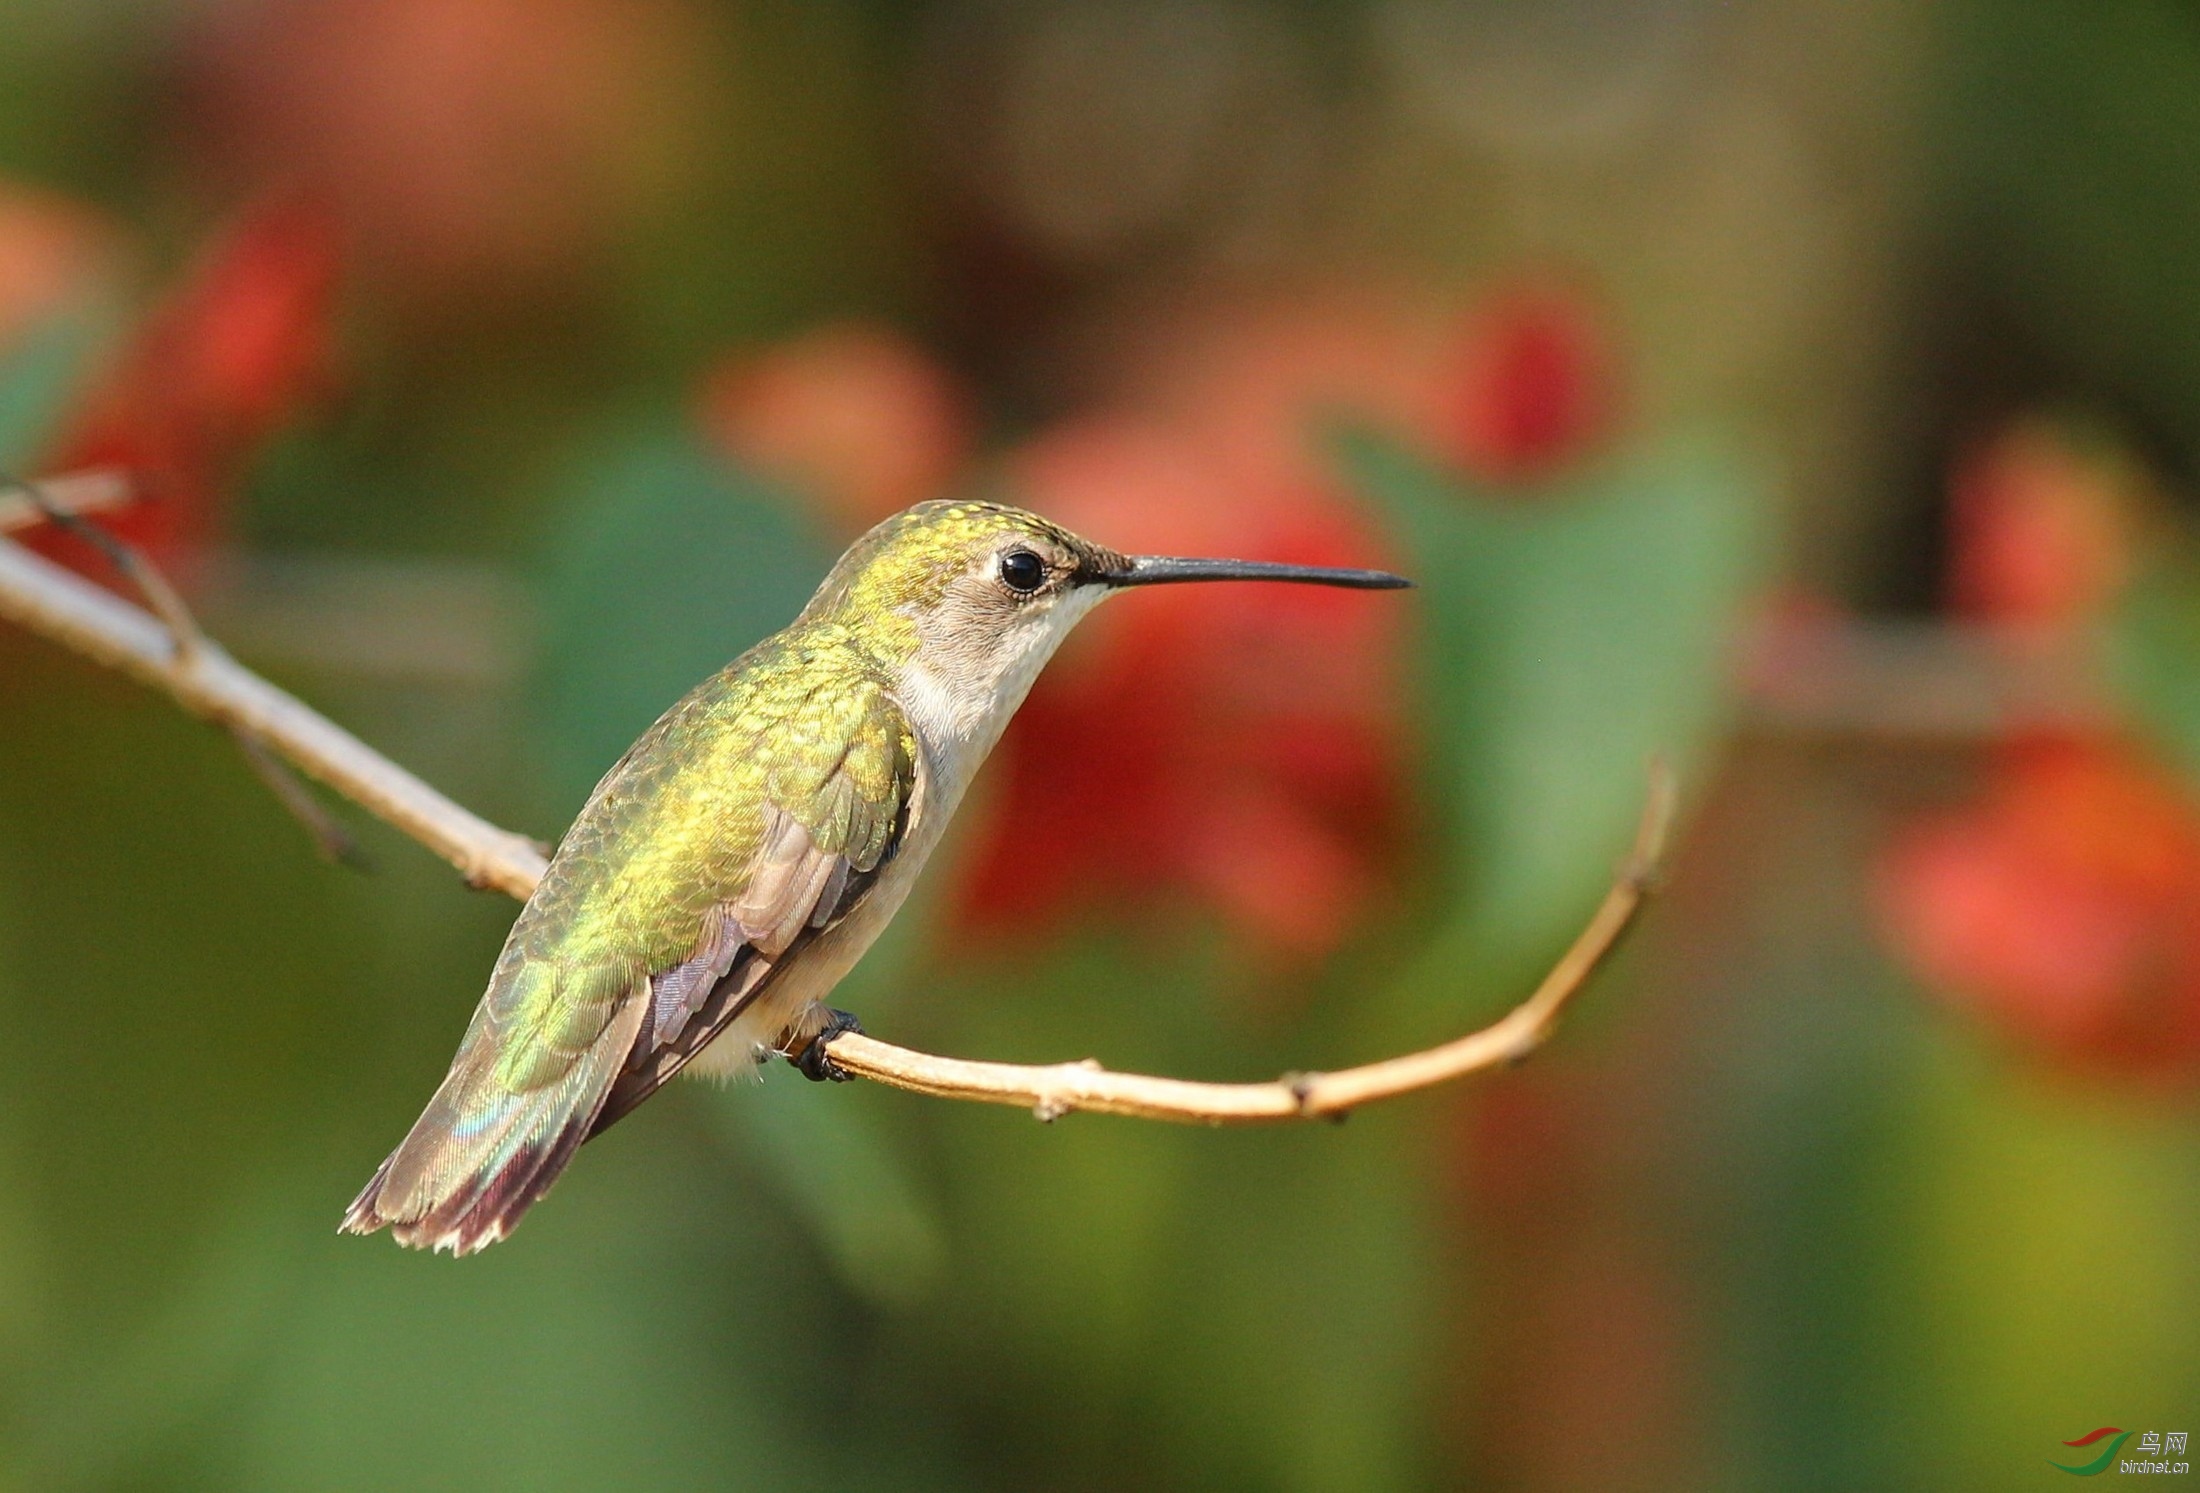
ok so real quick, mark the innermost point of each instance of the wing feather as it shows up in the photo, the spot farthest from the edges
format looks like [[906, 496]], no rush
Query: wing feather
[[768, 946]]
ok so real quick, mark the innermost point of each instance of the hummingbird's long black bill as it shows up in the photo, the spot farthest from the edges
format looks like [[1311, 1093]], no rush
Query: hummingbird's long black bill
[[1164, 570]]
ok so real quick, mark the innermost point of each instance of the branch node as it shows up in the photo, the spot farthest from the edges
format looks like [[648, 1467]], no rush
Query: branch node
[[161, 599]]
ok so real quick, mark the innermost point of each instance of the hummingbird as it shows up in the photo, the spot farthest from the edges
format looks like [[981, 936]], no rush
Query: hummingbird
[[734, 865]]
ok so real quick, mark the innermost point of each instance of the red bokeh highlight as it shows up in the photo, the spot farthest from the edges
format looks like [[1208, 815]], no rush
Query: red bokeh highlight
[[237, 351], [2063, 907], [1531, 386], [2040, 528], [857, 415], [1250, 383]]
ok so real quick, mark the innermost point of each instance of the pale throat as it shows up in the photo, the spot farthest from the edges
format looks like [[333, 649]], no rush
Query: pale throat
[[959, 697]]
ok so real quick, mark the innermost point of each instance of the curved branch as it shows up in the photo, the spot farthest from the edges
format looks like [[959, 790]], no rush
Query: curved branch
[[46, 599], [1061, 1088]]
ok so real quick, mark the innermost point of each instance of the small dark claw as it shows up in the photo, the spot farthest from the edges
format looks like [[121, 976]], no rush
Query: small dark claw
[[814, 1062]]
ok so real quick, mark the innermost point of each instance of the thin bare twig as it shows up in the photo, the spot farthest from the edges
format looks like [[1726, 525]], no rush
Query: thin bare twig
[[335, 842], [164, 600], [32, 503], [57, 604]]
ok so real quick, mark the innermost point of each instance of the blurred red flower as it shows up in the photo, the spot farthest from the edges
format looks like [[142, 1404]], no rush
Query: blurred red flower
[[2063, 906], [857, 416], [1238, 745], [1530, 386], [1514, 392], [233, 354], [2041, 526]]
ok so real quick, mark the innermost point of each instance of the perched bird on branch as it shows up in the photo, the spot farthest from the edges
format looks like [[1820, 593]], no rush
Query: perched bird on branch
[[744, 853]]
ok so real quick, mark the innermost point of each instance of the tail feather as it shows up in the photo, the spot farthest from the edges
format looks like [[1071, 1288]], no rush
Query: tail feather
[[481, 1154]]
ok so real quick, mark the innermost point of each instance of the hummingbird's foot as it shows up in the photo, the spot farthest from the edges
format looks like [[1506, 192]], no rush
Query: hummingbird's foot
[[813, 1061]]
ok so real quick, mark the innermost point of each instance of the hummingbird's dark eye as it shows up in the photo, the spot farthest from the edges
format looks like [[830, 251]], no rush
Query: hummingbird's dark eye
[[1021, 570]]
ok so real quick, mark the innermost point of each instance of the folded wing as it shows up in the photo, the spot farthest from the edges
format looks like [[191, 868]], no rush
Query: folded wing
[[687, 881]]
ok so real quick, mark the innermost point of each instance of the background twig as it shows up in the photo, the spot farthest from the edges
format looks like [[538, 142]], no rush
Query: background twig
[[31, 503], [186, 641]]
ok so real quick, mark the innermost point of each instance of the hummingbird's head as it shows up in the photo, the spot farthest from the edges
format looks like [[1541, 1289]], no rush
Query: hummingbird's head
[[972, 598]]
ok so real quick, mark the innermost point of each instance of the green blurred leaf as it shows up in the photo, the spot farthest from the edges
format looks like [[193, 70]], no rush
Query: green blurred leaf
[[597, 1350], [1566, 642], [1305, 1308], [99, 1408], [37, 380]]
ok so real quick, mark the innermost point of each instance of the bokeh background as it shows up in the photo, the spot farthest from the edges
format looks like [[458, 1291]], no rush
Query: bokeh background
[[1808, 392]]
